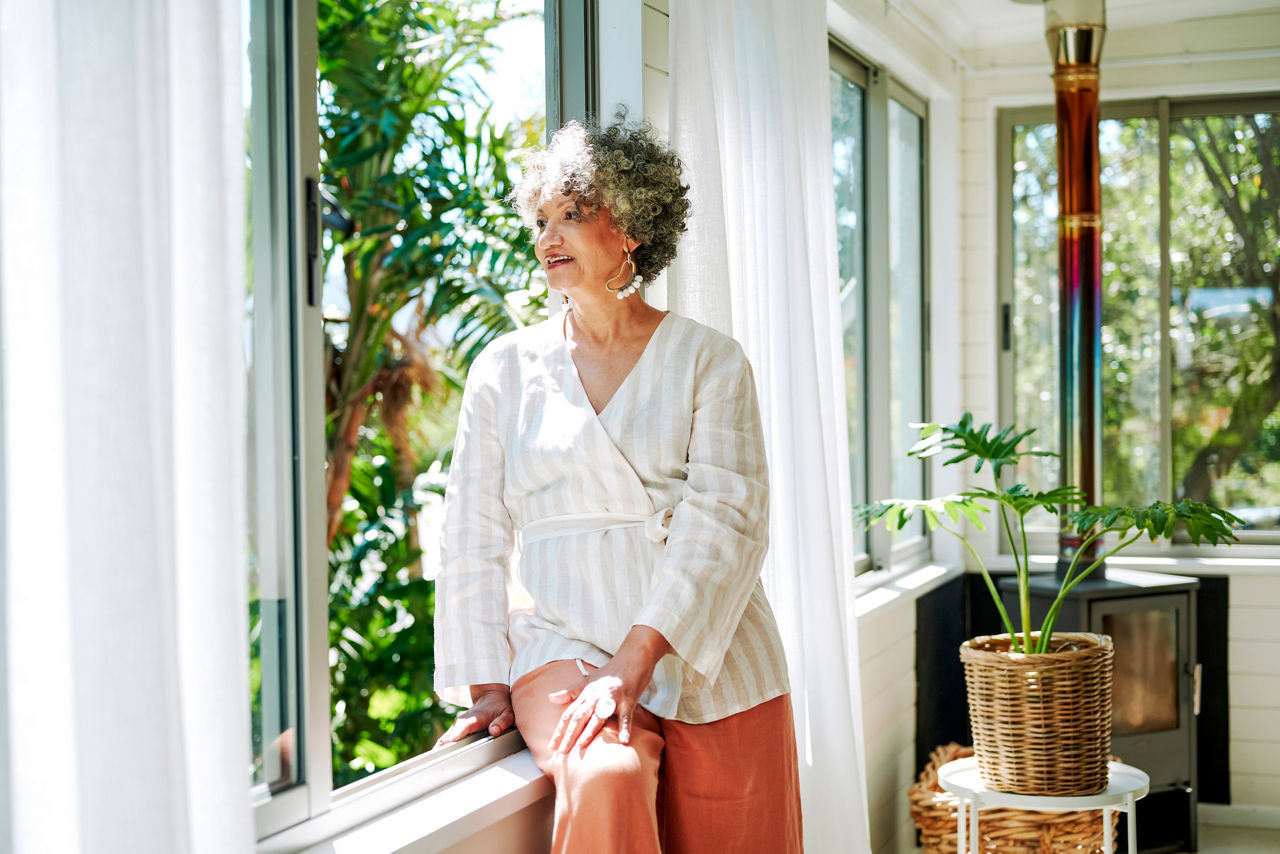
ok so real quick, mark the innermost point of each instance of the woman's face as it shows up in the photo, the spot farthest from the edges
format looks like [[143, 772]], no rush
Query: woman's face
[[577, 247]]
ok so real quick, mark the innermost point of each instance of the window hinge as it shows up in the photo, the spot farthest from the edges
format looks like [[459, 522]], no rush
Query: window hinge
[[1006, 327]]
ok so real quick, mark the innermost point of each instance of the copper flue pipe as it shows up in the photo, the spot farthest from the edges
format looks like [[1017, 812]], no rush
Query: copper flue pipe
[[1075, 30]]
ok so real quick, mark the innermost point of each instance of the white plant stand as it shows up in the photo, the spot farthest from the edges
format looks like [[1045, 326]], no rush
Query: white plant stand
[[1125, 786]]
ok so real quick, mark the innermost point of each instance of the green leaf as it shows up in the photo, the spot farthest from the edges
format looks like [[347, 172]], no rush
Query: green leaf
[[968, 442], [971, 510], [373, 752]]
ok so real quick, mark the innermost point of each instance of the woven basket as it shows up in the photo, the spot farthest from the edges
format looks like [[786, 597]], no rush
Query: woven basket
[[1001, 831], [1041, 723]]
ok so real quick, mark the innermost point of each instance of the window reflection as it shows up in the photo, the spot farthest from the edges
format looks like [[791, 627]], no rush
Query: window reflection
[[268, 352], [1145, 671]]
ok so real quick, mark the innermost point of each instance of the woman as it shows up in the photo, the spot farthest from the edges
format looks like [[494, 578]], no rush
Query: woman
[[617, 449]]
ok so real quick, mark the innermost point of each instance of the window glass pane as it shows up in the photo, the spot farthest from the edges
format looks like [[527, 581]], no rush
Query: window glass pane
[[1130, 164], [1130, 159], [906, 300], [1145, 677], [848, 148], [268, 349], [421, 106], [1225, 246], [1035, 298]]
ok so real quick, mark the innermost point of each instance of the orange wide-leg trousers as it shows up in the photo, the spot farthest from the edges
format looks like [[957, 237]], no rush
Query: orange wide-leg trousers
[[730, 786]]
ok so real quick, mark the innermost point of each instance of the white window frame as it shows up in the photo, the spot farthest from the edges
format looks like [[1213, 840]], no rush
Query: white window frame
[[885, 557], [1254, 545]]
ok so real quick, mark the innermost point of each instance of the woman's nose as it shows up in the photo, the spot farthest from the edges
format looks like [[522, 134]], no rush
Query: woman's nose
[[549, 236]]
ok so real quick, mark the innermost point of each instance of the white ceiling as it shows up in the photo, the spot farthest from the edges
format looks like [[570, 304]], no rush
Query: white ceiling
[[987, 23]]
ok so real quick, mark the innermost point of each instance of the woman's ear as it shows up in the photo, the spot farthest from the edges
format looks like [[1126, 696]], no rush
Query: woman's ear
[[632, 245]]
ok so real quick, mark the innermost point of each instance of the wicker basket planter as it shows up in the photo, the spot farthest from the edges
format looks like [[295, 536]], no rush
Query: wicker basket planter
[[1041, 723], [1001, 831]]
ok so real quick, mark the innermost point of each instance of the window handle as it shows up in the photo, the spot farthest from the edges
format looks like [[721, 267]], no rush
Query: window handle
[[313, 240], [1195, 690]]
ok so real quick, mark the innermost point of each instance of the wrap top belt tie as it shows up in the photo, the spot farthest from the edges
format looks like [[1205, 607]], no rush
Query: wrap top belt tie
[[655, 525]]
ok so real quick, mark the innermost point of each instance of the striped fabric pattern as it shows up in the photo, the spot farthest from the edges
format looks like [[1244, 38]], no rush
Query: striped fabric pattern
[[683, 432]]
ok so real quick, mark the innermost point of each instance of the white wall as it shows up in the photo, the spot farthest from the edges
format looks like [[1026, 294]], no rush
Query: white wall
[[1253, 664], [654, 30], [887, 655]]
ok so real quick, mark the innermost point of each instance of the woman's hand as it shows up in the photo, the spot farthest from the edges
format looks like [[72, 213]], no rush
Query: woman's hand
[[490, 709], [610, 691]]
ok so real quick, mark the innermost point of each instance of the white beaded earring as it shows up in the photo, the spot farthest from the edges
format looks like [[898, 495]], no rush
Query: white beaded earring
[[631, 286]]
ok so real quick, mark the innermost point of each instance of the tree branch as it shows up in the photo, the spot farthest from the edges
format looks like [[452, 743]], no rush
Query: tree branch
[[1229, 199]]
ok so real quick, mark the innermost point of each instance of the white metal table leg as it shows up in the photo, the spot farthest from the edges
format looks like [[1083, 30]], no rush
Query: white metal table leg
[[962, 840], [1132, 821], [1108, 843], [975, 814]]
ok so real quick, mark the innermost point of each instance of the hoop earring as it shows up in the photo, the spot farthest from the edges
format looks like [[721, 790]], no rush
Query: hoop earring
[[630, 286]]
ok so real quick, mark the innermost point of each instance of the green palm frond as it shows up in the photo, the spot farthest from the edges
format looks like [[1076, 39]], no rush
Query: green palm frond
[[974, 442]]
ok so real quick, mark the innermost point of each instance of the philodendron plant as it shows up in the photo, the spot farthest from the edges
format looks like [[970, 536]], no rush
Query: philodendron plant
[[1012, 504]]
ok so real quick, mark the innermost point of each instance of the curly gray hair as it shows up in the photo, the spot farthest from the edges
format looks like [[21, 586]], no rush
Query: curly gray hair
[[623, 167]]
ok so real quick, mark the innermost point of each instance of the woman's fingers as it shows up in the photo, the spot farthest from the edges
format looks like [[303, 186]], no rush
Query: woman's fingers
[[462, 727], [504, 721], [568, 695], [591, 729], [564, 696], [586, 719], [570, 726], [492, 711], [589, 708]]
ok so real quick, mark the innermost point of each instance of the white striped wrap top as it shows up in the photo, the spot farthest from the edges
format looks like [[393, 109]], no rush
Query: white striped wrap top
[[653, 512]]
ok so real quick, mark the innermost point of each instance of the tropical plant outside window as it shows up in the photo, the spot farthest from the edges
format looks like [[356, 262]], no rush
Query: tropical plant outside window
[[1211, 430]]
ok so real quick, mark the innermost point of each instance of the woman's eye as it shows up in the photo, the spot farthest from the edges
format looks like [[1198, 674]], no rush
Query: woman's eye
[[539, 224], [573, 214]]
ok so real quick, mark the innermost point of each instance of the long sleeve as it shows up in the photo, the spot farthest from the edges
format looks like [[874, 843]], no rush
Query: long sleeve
[[683, 431], [471, 596], [718, 533]]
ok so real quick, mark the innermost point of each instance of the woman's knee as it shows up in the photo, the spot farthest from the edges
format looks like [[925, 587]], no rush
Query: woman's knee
[[606, 768]]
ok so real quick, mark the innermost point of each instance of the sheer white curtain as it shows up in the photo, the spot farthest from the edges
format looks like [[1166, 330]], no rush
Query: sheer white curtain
[[124, 716], [751, 118]]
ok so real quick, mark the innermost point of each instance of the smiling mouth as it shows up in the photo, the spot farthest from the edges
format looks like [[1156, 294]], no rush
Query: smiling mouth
[[555, 261]]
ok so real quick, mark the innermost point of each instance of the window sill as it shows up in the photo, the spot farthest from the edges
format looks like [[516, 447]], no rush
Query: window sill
[[883, 589], [413, 812], [1244, 560]]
